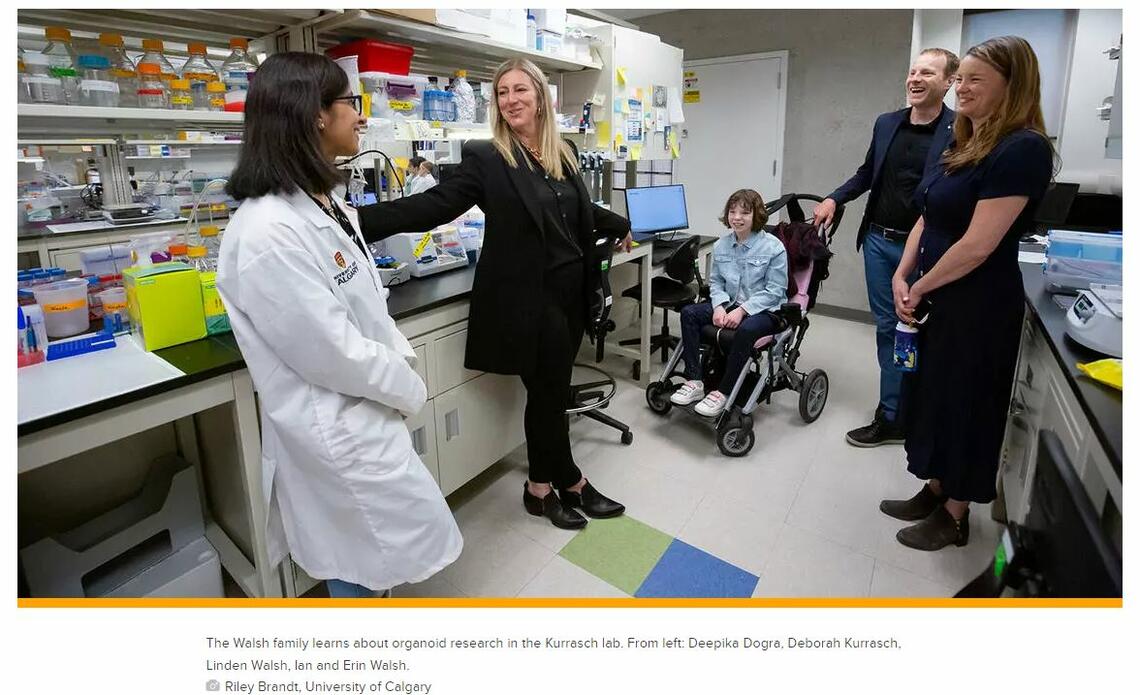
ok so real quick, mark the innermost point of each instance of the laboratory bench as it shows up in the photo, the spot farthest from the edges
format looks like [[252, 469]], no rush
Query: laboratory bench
[[1050, 393], [82, 410]]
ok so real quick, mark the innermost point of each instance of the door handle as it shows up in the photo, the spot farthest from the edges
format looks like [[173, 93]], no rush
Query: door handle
[[419, 441], [451, 424]]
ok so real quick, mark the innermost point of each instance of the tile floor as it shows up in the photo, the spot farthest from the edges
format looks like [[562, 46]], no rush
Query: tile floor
[[798, 516]]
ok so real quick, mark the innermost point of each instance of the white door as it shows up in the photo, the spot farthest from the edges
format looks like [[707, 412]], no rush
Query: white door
[[733, 137]]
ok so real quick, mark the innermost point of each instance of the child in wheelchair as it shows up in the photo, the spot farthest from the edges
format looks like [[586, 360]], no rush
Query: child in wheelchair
[[748, 281]]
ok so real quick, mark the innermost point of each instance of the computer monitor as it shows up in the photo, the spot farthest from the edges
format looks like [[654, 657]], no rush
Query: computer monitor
[[656, 209]]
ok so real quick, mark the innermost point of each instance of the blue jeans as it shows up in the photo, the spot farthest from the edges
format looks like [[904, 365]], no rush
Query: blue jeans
[[342, 589], [881, 258], [696, 316]]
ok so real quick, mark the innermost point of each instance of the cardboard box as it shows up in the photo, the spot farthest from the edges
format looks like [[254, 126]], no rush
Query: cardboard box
[[509, 27], [552, 20], [217, 320], [165, 303], [469, 21]]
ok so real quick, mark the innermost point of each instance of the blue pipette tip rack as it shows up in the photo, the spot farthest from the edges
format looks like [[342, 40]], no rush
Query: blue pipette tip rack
[[81, 346]]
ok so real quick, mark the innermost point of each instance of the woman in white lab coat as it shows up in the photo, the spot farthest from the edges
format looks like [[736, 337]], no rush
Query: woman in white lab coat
[[348, 498], [425, 178]]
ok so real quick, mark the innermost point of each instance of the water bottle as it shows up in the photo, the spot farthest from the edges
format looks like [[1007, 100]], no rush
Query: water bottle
[[906, 347]]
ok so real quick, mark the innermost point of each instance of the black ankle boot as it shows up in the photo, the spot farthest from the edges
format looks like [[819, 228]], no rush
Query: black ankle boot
[[595, 504], [937, 531], [551, 507], [918, 507]]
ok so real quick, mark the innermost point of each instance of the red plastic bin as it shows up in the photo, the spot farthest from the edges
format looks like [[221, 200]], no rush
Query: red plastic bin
[[376, 56]]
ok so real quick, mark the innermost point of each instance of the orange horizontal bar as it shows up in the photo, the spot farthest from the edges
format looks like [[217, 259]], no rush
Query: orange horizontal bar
[[569, 603]]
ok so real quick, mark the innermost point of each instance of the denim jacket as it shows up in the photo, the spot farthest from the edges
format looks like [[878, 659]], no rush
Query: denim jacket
[[752, 274]]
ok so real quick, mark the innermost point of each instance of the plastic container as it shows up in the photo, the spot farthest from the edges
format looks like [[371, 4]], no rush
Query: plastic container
[[61, 55], [94, 306], [376, 56], [105, 260], [531, 32], [198, 259], [116, 317], [216, 96], [439, 106], [464, 98], [123, 71], [152, 90], [237, 71], [179, 252], [180, 97], [97, 87], [199, 72], [154, 55], [65, 307], [211, 240], [42, 85]]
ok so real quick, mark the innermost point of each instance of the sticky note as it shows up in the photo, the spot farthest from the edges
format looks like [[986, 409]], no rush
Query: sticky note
[[625, 106], [635, 152], [618, 140], [674, 148], [602, 131], [638, 93], [621, 75]]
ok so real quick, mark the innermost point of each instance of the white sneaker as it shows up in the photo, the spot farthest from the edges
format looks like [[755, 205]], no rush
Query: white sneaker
[[690, 392], [712, 404]]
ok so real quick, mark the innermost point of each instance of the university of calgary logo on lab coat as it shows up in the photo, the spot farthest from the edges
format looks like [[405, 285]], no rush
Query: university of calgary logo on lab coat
[[339, 258]]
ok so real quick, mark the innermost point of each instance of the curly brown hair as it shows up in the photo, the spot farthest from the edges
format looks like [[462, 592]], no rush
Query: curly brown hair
[[749, 200]]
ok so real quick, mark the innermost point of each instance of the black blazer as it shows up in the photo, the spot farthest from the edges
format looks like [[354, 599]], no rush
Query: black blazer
[[869, 175], [506, 299]]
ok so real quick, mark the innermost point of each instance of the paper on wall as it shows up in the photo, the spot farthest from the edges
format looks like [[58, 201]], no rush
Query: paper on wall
[[621, 75], [674, 148], [659, 123], [635, 152], [676, 115], [602, 131]]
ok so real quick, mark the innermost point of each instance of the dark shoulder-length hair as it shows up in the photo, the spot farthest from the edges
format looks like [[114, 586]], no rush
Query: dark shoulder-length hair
[[748, 199], [281, 146]]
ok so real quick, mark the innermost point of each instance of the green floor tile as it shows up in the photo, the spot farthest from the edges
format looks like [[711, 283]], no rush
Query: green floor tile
[[621, 551]]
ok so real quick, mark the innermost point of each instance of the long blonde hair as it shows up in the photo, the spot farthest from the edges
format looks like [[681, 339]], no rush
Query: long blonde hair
[[1014, 59], [557, 158]]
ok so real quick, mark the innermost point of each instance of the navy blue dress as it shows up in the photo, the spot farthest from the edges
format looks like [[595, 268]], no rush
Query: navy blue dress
[[958, 398]]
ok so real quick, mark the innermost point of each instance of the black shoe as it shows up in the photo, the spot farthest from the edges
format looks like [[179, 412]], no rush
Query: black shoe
[[552, 509], [918, 507], [595, 504], [880, 431], [937, 531]]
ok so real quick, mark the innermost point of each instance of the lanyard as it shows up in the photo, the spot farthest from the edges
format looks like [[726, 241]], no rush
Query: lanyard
[[341, 219]]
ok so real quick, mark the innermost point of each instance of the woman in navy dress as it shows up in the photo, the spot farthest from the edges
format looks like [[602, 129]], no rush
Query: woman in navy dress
[[976, 205]]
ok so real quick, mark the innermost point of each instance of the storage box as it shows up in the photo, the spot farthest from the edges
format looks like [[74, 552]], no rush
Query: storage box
[[108, 551], [217, 320], [469, 21], [376, 56], [165, 303], [192, 572], [549, 42], [509, 27], [550, 20], [105, 260]]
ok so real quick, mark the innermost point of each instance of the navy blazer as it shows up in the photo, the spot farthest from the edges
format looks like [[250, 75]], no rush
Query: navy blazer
[[868, 177]]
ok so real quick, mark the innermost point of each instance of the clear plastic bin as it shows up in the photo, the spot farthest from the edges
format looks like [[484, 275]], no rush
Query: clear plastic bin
[[64, 305]]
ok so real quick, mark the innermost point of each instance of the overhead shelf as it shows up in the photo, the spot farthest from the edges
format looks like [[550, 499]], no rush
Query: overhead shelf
[[438, 47], [91, 120], [213, 26]]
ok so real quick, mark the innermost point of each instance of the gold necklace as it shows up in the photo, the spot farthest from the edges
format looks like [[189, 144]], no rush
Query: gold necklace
[[534, 152]]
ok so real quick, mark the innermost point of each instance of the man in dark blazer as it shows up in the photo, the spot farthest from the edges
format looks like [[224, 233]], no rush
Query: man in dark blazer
[[904, 145]]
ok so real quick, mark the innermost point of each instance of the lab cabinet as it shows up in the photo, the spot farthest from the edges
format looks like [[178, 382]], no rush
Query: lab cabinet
[[450, 351], [422, 428], [1043, 400], [477, 424]]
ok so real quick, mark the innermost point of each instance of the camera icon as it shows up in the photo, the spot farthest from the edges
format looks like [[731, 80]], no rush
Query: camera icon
[[213, 686]]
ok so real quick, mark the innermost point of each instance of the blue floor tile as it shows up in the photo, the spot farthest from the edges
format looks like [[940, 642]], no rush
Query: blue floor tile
[[688, 572]]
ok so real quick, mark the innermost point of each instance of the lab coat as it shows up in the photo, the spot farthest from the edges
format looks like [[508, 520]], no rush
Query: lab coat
[[422, 183], [347, 495]]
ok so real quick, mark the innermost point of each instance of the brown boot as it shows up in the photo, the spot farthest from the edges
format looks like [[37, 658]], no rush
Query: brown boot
[[936, 531], [918, 507]]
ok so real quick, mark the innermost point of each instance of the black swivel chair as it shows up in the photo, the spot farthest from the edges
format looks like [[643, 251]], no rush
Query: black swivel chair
[[675, 290], [589, 397]]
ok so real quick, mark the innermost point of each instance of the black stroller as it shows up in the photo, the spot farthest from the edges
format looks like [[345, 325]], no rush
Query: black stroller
[[772, 365]]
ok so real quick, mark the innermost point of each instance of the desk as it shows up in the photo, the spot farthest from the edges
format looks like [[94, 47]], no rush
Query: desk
[[198, 376], [648, 270]]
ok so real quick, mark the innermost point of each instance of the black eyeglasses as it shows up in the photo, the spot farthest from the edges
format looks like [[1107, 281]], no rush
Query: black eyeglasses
[[356, 100]]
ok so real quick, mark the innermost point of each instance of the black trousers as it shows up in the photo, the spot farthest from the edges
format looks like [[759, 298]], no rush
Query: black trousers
[[560, 331]]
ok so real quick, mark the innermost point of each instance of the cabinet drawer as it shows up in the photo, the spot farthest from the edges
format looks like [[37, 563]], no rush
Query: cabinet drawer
[[448, 357], [422, 367]]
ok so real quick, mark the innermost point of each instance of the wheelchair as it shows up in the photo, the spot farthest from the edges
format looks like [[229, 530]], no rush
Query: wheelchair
[[771, 367]]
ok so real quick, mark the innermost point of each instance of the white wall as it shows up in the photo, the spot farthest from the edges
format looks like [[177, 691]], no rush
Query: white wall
[[1093, 79]]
